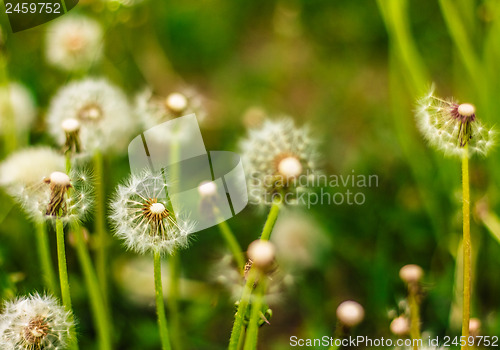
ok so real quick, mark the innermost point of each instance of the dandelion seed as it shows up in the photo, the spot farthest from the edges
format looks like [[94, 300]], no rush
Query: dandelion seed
[[102, 111], [449, 126], [279, 159], [73, 42], [35, 322], [16, 100], [143, 216]]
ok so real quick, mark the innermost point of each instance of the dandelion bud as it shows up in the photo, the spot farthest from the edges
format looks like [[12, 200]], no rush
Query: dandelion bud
[[35, 322], [207, 189], [71, 128], [261, 253], [176, 102], [400, 326], [350, 313], [411, 273]]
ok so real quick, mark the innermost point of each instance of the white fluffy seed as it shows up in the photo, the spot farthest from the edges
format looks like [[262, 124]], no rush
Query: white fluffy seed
[[207, 189], [157, 208], [176, 102], [290, 167], [411, 273], [261, 253], [466, 109], [70, 125], [60, 179], [350, 313]]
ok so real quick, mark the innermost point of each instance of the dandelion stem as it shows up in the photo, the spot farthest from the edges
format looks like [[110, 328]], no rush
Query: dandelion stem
[[271, 219], [414, 313], [96, 297], [100, 222], [173, 299], [255, 316], [233, 244], [43, 245], [63, 275], [466, 247], [160, 306]]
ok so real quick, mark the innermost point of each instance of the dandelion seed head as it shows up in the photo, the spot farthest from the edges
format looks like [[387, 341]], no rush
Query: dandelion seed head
[[411, 273], [35, 322], [101, 109], [73, 42], [450, 126], [350, 313], [18, 102], [144, 218], [275, 156]]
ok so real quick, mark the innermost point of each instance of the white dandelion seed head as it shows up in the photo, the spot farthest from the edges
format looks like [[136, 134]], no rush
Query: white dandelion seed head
[[68, 197], [29, 167], [448, 126], [143, 217], [18, 102], [73, 42], [350, 313], [152, 110], [102, 110], [278, 157], [35, 322]]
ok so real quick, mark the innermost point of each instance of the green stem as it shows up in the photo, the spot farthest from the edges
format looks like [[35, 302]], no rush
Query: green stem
[[414, 313], [271, 220], [466, 247], [43, 245], [100, 227], [255, 316], [160, 306], [239, 317], [173, 299], [96, 298], [233, 244], [63, 275]]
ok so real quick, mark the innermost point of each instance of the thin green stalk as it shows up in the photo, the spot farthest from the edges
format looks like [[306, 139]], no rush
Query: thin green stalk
[[239, 317], [414, 314], [233, 244], [63, 274], [173, 299], [96, 298], [255, 316], [160, 306], [466, 247], [100, 223], [44, 255], [271, 219], [7, 115]]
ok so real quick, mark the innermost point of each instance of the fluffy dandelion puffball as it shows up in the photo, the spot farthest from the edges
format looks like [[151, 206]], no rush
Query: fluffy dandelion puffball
[[29, 167], [279, 159], [153, 110], [73, 42], [144, 216], [35, 322], [17, 102], [450, 126], [350, 313], [102, 110]]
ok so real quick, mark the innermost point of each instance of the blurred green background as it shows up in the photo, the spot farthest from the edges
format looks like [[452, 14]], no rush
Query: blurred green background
[[352, 70]]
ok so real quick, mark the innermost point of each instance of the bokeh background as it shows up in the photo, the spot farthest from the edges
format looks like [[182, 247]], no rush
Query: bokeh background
[[352, 71]]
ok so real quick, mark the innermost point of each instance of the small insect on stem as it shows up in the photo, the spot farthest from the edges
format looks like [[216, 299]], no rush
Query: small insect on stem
[[59, 184]]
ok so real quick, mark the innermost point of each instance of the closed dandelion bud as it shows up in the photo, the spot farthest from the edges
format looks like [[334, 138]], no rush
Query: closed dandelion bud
[[73, 42], [17, 102], [411, 273], [279, 160], [262, 254], [144, 218], [35, 322], [101, 110], [350, 313], [450, 126], [400, 326]]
